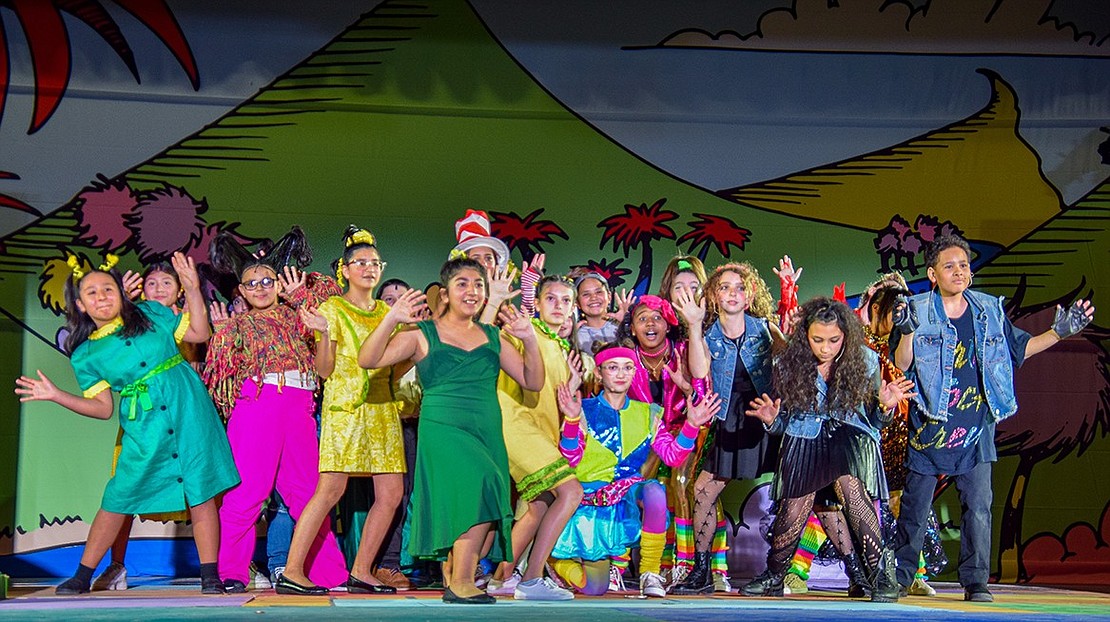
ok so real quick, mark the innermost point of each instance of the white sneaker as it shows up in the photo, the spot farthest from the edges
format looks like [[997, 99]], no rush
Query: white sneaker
[[616, 579], [506, 587], [675, 576], [920, 588], [482, 580], [651, 585], [721, 583], [541, 589], [258, 580], [113, 578]]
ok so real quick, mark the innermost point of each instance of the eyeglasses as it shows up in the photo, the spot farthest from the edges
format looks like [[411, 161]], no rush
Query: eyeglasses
[[367, 263], [615, 368], [253, 284]]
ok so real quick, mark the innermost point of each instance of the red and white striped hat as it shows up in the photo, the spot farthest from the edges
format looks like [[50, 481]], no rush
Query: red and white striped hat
[[473, 231]]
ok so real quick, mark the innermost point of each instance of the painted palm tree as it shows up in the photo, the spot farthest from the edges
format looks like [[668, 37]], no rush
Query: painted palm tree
[[525, 234], [639, 225], [710, 230], [12, 202], [612, 272], [44, 29]]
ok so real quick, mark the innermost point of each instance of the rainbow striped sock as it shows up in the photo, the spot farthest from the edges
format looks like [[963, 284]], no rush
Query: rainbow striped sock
[[718, 560], [812, 539]]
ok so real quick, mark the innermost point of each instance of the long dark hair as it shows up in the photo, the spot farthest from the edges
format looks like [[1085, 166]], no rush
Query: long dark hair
[[80, 325], [227, 255], [164, 267], [849, 381]]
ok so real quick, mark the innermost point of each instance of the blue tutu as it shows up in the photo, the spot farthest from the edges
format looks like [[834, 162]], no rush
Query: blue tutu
[[597, 532]]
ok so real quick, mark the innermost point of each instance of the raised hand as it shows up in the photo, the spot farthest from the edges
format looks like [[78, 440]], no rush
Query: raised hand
[[218, 313], [501, 285], [132, 284], [409, 307], [704, 410], [577, 369], [35, 389], [677, 374], [186, 270], [624, 299], [786, 271], [765, 409], [536, 265], [516, 323], [893, 392], [291, 280], [690, 307], [570, 404], [311, 318], [1074, 320], [904, 317]]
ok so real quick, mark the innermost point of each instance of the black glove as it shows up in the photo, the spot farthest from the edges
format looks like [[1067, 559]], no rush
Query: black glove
[[1070, 322], [904, 317]]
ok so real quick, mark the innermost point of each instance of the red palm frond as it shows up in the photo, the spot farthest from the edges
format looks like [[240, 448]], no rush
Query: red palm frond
[[12, 202], [49, 45], [612, 271], [718, 231], [524, 234], [639, 224]]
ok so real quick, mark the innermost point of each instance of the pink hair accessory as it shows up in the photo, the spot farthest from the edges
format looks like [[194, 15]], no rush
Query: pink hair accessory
[[619, 352], [662, 306]]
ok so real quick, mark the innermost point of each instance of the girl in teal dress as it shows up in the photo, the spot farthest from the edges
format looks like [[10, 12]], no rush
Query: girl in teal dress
[[174, 454], [461, 483]]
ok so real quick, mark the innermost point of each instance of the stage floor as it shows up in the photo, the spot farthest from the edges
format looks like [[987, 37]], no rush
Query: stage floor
[[180, 600]]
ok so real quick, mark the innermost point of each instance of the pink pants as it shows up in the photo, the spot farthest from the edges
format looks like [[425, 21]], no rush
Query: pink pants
[[273, 441]]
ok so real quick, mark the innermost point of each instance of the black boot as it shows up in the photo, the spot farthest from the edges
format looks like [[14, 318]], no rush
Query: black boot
[[699, 581], [885, 584], [858, 583], [767, 584]]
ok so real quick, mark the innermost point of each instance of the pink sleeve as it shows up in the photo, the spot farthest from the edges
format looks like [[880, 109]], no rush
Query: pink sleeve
[[528, 282], [572, 444], [674, 449]]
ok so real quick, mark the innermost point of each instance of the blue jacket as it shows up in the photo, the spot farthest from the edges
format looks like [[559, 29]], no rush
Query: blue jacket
[[807, 424], [934, 354], [755, 352]]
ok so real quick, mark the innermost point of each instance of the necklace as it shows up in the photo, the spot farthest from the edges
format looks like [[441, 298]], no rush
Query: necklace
[[660, 358], [545, 329]]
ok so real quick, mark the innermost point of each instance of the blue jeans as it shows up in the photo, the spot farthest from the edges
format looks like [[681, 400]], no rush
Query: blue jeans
[[976, 496], [279, 534]]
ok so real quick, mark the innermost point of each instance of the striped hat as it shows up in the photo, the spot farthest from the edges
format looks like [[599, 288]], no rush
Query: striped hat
[[473, 231]]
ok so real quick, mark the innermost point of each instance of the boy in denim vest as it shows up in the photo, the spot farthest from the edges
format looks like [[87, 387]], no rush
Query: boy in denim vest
[[960, 350]]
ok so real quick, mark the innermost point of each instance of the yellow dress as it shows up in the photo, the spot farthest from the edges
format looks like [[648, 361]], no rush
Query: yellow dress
[[360, 425], [530, 422]]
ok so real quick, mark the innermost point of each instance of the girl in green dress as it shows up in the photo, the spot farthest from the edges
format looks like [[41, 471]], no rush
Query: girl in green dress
[[461, 490], [174, 454]]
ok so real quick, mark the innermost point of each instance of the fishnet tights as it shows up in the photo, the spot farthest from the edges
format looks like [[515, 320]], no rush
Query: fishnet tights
[[706, 491]]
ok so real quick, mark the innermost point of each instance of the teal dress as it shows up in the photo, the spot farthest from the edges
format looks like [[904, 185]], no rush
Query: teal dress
[[174, 451], [462, 469]]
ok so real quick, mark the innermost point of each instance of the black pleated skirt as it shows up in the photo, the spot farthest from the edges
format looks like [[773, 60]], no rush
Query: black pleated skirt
[[806, 465]]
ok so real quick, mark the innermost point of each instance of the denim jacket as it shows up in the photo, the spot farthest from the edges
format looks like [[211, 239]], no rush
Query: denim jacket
[[934, 353], [755, 352], [807, 424]]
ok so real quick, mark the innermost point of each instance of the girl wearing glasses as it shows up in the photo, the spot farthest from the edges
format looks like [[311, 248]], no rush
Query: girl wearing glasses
[[260, 373], [608, 439], [360, 433]]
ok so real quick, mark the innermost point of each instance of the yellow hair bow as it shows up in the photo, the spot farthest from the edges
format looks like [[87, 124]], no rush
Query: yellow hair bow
[[362, 236], [456, 254]]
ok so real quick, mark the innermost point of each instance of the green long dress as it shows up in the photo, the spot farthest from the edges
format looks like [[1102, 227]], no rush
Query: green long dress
[[174, 451], [462, 470]]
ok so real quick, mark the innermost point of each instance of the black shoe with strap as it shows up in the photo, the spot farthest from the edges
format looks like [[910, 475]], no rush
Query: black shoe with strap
[[699, 581]]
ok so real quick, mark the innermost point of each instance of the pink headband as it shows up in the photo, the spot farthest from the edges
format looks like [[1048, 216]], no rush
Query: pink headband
[[614, 353], [662, 306]]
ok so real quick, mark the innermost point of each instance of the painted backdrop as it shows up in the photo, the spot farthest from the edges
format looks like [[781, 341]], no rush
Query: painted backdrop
[[614, 135]]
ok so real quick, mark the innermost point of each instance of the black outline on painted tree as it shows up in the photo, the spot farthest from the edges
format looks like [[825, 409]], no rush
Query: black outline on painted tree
[[639, 225]]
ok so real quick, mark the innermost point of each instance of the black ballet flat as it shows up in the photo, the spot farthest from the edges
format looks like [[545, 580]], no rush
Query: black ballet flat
[[477, 599], [358, 586], [286, 586]]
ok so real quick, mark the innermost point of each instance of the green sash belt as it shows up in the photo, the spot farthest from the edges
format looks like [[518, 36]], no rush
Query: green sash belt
[[138, 390]]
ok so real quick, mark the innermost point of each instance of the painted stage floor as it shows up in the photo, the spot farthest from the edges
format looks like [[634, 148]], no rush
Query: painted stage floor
[[180, 600]]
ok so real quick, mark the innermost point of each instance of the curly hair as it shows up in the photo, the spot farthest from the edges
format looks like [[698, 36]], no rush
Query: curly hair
[[849, 381], [760, 302]]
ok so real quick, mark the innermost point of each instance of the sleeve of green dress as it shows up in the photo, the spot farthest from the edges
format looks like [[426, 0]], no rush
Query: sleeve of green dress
[[89, 379]]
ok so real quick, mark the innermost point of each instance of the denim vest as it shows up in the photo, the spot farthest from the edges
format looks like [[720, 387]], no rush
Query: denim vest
[[755, 352], [934, 355], [807, 424]]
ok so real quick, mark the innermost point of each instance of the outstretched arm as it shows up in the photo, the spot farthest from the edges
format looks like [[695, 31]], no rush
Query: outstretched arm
[[1064, 325], [42, 388], [186, 268]]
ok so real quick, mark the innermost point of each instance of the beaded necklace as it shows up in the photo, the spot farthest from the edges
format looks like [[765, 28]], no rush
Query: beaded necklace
[[545, 329]]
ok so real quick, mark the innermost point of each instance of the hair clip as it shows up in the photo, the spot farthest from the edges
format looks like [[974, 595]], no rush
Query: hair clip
[[75, 266]]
